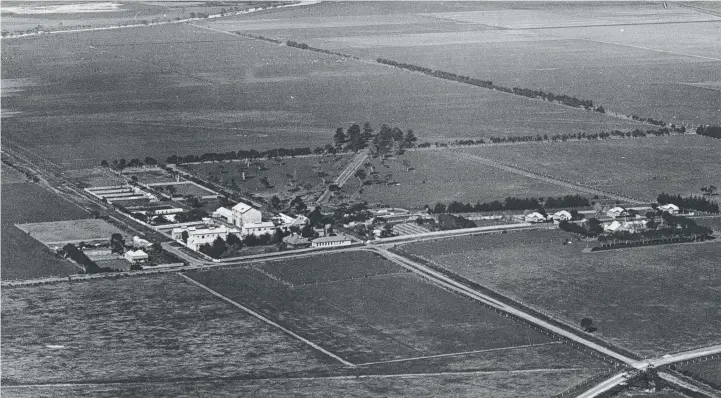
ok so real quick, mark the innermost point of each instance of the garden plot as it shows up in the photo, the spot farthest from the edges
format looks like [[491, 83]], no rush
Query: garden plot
[[74, 231]]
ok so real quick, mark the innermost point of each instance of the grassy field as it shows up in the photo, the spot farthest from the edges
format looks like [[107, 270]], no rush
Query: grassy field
[[151, 176], [191, 189], [366, 319], [156, 328], [57, 232], [288, 177], [22, 256], [496, 384], [631, 58], [706, 371], [94, 177], [641, 168], [440, 176], [164, 87], [649, 300]]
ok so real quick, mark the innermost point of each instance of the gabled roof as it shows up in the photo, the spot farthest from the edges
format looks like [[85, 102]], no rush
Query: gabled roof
[[613, 226], [617, 209], [669, 206], [223, 211], [535, 214], [242, 207], [562, 213]]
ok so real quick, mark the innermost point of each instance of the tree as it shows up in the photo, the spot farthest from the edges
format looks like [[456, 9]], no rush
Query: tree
[[575, 215], [150, 161], [117, 243], [595, 226], [586, 324], [134, 179], [156, 247], [104, 163], [275, 202], [339, 137], [171, 190], [307, 231], [361, 174], [409, 139], [439, 208], [234, 240], [184, 236], [219, 247], [354, 136], [367, 133], [387, 231]]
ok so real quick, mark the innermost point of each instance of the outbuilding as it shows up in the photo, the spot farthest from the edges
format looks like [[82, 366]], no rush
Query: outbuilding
[[331, 241], [669, 208], [137, 256], [534, 217]]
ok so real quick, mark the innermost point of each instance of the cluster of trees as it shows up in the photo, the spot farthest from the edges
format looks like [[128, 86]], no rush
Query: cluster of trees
[[79, 257], [257, 37], [648, 120], [709, 131], [561, 99], [304, 46], [438, 73], [690, 202], [668, 226], [122, 163], [247, 154], [512, 203], [449, 221], [385, 140]]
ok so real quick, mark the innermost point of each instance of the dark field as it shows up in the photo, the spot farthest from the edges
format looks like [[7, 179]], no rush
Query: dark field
[[155, 91], [156, 328], [371, 319], [649, 300], [631, 58], [22, 256], [496, 384]]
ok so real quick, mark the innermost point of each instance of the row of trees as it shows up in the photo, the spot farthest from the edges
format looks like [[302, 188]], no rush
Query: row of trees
[[709, 131], [120, 164], [304, 46], [690, 202], [512, 203], [438, 73], [248, 154], [355, 138]]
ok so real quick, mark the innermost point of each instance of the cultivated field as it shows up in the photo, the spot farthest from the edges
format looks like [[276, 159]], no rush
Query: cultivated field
[[22, 256], [707, 371], [60, 232], [651, 300], [391, 315], [137, 329], [637, 58], [94, 177], [189, 188], [640, 168], [150, 176], [288, 177], [183, 89], [440, 176]]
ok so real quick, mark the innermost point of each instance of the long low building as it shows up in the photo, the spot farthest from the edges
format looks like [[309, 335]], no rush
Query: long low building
[[257, 229], [331, 241], [197, 237]]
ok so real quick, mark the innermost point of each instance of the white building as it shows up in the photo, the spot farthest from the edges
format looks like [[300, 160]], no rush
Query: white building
[[630, 226], [257, 229], [669, 208], [562, 215], [140, 242], [171, 210], [534, 217], [286, 222], [245, 214], [200, 236], [137, 256], [331, 241], [224, 213], [617, 212]]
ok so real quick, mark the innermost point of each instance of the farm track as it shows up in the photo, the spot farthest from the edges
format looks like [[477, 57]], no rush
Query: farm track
[[536, 176], [346, 174]]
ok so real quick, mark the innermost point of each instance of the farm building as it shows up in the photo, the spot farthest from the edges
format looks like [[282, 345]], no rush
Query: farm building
[[534, 217], [245, 214], [562, 215], [257, 229], [296, 242], [331, 241], [140, 242], [629, 226], [669, 208], [223, 213], [200, 236], [617, 212], [168, 210], [137, 256], [285, 221]]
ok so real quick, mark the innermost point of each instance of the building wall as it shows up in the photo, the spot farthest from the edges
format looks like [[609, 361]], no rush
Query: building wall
[[197, 240], [251, 216]]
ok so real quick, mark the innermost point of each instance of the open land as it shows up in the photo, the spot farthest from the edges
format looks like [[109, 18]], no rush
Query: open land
[[59, 232], [641, 168], [288, 177], [440, 176], [705, 371], [148, 97], [637, 58], [388, 316], [94, 177], [155, 328], [649, 300], [150, 176], [22, 256]]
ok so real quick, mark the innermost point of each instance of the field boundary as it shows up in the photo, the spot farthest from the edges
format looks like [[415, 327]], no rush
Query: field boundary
[[267, 321]]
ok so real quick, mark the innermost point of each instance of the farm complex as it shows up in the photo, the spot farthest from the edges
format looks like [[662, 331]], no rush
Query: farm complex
[[361, 198]]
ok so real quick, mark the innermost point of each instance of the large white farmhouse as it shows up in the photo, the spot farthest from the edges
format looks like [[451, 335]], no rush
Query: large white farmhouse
[[257, 229], [617, 212], [199, 236], [669, 208], [245, 214], [535, 217]]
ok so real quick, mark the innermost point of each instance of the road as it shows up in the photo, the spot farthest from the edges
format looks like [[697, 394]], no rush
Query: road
[[604, 386], [347, 173]]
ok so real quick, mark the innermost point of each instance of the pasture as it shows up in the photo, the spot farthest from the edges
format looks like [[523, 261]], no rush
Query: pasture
[[71, 231], [180, 89], [440, 176], [631, 58], [640, 168], [386, 316], [650, 300], [157, 328], [22, 256]]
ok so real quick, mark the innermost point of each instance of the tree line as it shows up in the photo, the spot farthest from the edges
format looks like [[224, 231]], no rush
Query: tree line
[[690, 202], [511, 203], [709, 131], [304, 46]]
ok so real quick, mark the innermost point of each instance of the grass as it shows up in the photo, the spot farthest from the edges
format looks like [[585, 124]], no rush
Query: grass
[[57, 232], [642, 168], [22, 256], [288, 177], [706, 371], [649, 300], [151, 176], [164, 87], [94, 177], [191, 189], [154, 328], [369, 319], [440, 176]]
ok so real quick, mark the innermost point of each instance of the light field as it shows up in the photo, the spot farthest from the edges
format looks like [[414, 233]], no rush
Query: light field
[[388, 315], [640, 168], [137, 329], [440, 176], [163, 88], [651, 301], [60, 232]]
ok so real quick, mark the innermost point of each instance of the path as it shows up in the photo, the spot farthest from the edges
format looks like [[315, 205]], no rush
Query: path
[[346, 174]]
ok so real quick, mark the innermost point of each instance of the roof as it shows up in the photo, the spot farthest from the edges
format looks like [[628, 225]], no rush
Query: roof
[[613, 226], [264, 224], [562, 213], [242, 207], [535, 214], [223, 211], [668, 207], [212, 230], [136, 254], [337, 238], [617, 209]]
